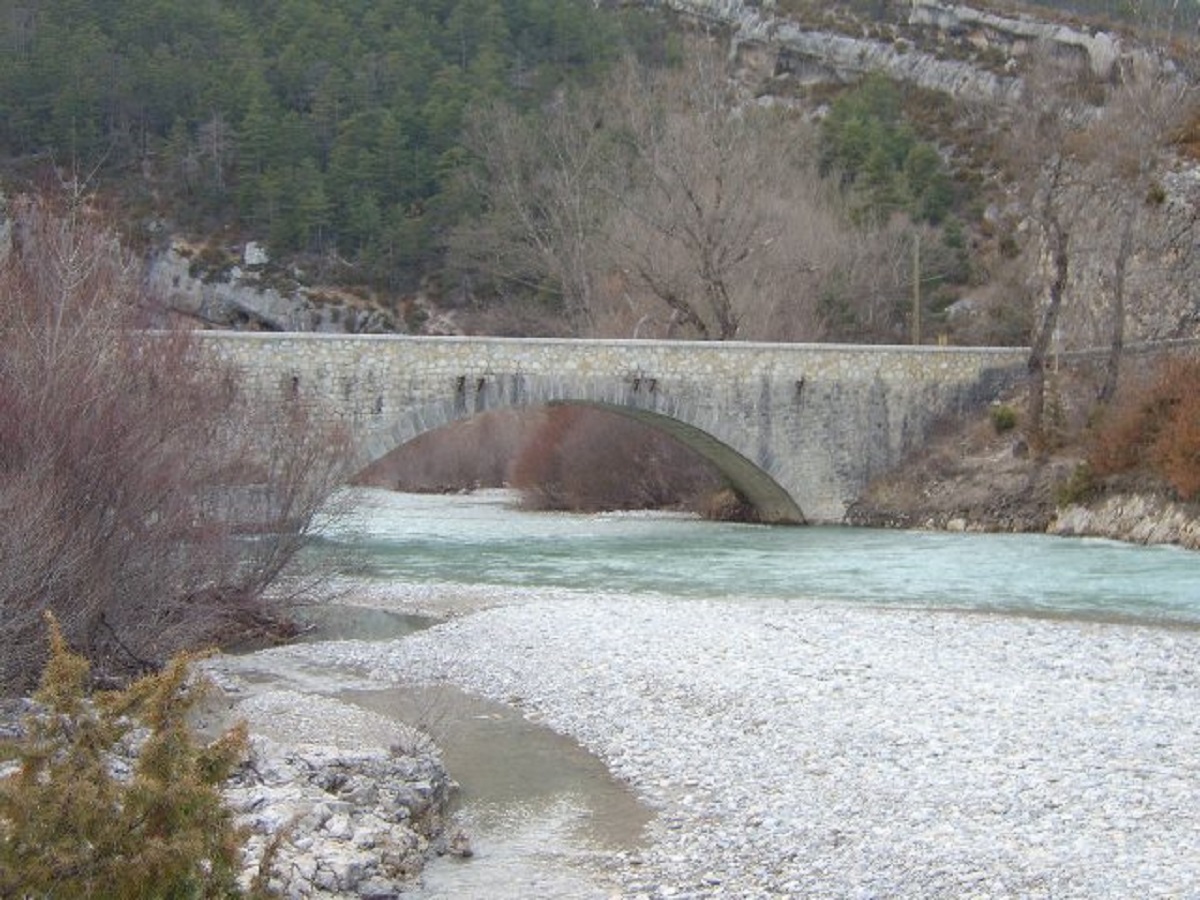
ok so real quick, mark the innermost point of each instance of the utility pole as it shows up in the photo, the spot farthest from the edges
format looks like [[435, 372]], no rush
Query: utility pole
[[916, 287]]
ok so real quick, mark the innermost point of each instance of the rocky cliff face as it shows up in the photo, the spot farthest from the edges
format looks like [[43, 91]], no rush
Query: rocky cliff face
[[238, 296], [815, 55], [1163, 279], [1098, 50], [975, 57], [956, 50]]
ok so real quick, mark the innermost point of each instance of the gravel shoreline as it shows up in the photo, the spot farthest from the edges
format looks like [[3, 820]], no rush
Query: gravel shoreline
[[815, 750]]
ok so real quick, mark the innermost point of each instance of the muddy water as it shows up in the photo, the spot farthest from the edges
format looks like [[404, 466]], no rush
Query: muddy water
[[505, 763], [542, 813], [337, 622]]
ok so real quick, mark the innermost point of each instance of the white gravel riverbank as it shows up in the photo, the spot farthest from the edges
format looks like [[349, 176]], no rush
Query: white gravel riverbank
[[832, 751]]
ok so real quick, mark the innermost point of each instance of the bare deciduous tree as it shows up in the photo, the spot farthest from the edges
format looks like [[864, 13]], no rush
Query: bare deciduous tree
[[666, 205], [1042, 143], [123, 460], [691, 223], [539, 182], [1063, 147], [726, 222]]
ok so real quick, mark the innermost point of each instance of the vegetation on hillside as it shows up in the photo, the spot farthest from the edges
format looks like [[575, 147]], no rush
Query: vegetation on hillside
[[867, 143], [144, 504], [503, 155], [328, 127], [665, 204], [361, 135]]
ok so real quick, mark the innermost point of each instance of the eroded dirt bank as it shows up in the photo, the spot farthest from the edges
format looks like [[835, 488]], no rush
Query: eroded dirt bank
[[975, 479]]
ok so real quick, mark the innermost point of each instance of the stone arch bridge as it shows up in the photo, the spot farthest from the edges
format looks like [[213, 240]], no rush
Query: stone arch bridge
[[798, 429]]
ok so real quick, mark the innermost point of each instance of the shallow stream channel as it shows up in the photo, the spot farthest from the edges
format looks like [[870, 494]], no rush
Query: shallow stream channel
[[548, 817]]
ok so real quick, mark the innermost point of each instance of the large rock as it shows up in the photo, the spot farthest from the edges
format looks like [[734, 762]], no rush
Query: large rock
[[229, 296], [814, 55], [1099, 49], [339, 801]]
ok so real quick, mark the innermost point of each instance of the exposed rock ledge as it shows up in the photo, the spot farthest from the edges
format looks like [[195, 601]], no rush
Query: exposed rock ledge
[[240, 297], [350, 803], [976, 480], [1138, 518], [815, 55]]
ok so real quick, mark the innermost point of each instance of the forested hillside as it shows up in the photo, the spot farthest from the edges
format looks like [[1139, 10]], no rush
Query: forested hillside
[[331, 126], [652, 170]]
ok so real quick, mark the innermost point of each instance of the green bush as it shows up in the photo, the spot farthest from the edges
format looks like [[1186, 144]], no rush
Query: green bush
[[1004, 418], [73, 824], [1079, 488]]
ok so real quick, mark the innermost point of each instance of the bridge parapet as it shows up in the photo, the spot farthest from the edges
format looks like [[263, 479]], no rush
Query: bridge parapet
[[799, 427]]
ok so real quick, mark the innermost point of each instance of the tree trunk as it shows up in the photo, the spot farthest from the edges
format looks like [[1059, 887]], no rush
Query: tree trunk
[[1040, 343], [1112, 367]]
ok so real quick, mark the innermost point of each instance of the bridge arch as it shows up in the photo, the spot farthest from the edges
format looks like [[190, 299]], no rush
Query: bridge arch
[[635, 398], [772, 503]]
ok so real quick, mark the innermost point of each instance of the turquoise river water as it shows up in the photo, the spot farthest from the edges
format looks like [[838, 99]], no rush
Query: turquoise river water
[[481, 539]]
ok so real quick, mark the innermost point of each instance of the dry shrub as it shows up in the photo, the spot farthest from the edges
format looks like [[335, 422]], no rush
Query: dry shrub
[[585, 460], [1177, 450], [127, 462], [727, 505], [1187, 136], [463, 456], [1154, 428]]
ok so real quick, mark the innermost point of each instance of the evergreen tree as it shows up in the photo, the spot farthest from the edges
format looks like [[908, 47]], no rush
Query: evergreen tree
[[70, 827]]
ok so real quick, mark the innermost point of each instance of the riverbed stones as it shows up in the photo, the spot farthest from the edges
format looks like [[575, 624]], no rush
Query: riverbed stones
[[813, 749]]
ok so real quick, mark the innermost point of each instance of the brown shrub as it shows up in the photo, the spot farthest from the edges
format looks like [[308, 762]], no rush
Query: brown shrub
[[1176, 452], [539, 470], [463, 456], [585, 459], [1154, 428], [1187, 136]]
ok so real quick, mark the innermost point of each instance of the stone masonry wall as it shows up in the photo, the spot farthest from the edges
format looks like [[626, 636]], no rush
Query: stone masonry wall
[[800, 429]]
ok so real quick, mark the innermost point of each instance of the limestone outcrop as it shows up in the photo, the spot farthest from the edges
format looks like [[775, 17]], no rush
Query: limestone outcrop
[[1136, 518], [982, 30], [1162, 281], [240, 296], [339, 801], [917, 53]]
